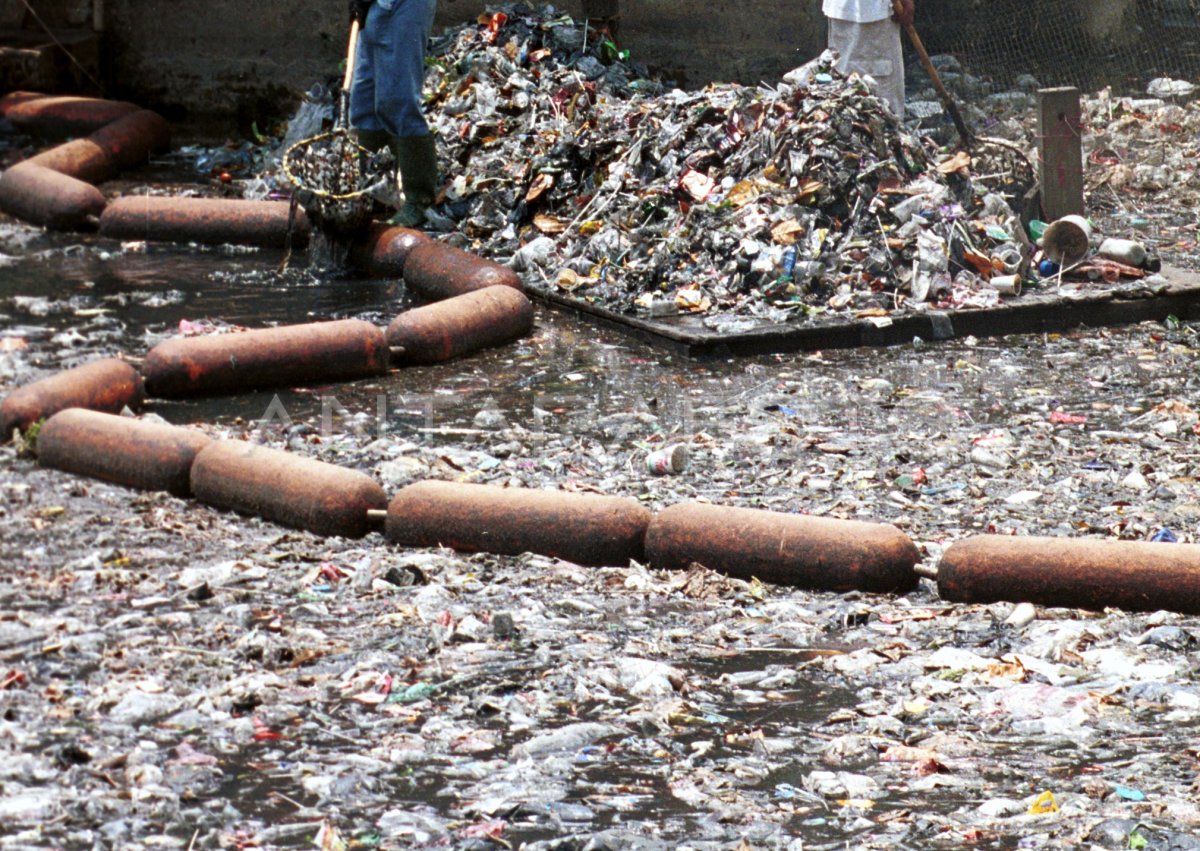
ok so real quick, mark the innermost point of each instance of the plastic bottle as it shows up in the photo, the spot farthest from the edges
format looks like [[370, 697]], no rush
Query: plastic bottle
[[1127, 251]]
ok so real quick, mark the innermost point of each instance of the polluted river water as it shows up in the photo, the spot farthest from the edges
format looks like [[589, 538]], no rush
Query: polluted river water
[[174, 676]]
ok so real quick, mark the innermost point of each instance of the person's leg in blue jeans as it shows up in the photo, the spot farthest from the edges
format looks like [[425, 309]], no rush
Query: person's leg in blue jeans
[[385, 101]]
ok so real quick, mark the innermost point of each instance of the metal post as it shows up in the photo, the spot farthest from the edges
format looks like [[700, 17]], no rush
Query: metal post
[[1060, 149]]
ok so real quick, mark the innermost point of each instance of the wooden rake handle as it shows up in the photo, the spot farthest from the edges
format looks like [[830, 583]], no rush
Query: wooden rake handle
[[968, 138]]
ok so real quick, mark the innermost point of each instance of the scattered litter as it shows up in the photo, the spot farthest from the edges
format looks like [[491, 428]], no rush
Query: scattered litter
[[779, 202]]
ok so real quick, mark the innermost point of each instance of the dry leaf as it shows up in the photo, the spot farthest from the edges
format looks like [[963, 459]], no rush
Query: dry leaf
[[809, 189], [700, 583], [786, 233], [742, 193], [540, 185], [960, 162], [549, 224]]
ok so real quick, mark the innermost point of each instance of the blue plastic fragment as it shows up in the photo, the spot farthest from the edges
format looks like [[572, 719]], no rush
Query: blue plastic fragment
[[1128, 794]]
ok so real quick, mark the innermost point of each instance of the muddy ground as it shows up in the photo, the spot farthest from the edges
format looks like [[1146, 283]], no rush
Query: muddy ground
[[174, 676]]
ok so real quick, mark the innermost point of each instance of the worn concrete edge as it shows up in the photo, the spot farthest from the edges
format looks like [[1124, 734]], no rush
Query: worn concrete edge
[[1048, 315]]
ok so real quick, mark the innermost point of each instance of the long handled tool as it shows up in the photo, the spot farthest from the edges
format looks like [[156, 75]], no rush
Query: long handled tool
[[328, 170], [968, 138], [351, 55]]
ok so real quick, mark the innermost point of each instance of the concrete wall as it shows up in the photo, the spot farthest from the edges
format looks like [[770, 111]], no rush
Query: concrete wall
[[240, 61], [247, 60]]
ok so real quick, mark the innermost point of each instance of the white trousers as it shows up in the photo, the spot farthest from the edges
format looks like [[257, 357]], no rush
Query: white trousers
[[872, 49]]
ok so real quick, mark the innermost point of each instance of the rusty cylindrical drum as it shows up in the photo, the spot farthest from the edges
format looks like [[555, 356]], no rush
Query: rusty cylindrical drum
[[435, 271], [290, 355], [583, 528], [125, 143], [149, 456], [81, 159], [459, 326], [61, 116], [105, 385], [130, 140], [45, 197], [210, 221], [286, 488], [382, 252], [1079, 573], [786, 549], [14, 99]]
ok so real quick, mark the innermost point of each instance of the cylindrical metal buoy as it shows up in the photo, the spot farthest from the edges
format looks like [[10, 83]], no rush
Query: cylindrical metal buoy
[[286, 488], [45, 197], [81, 159], [137, 454], [586, 529], [290, 355], [210, 221], [130, 140], [382, 252], [61, 116], [818, 553], [105, 385], [435, 271], [13, 99], [1078, 573], [459, 326]]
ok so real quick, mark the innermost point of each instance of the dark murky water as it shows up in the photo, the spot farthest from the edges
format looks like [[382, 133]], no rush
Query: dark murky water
[[72, 298]]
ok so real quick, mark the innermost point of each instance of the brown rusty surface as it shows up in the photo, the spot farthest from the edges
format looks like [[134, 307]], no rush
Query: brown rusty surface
[[582, 528], [129, 141], [786, 549], [150, 456], [105, 385], [286, 488], [14, 99], [436, 271], [81, 159], [1077, 573], [61, 116], [44, 197], [460, 325], [212, 221], [290, 355], [382, 252]]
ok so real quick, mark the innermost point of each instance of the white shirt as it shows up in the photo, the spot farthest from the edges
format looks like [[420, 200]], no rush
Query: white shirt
[[859, 11]]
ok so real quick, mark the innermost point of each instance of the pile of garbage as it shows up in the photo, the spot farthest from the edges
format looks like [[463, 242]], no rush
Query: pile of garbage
[[774, 202]]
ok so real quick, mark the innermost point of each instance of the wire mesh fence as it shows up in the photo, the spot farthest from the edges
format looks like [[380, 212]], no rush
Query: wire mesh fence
[[1086, 43]]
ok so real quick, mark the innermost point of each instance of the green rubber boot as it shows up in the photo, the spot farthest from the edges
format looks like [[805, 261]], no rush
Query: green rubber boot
[[372, 140], [416, 157]]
